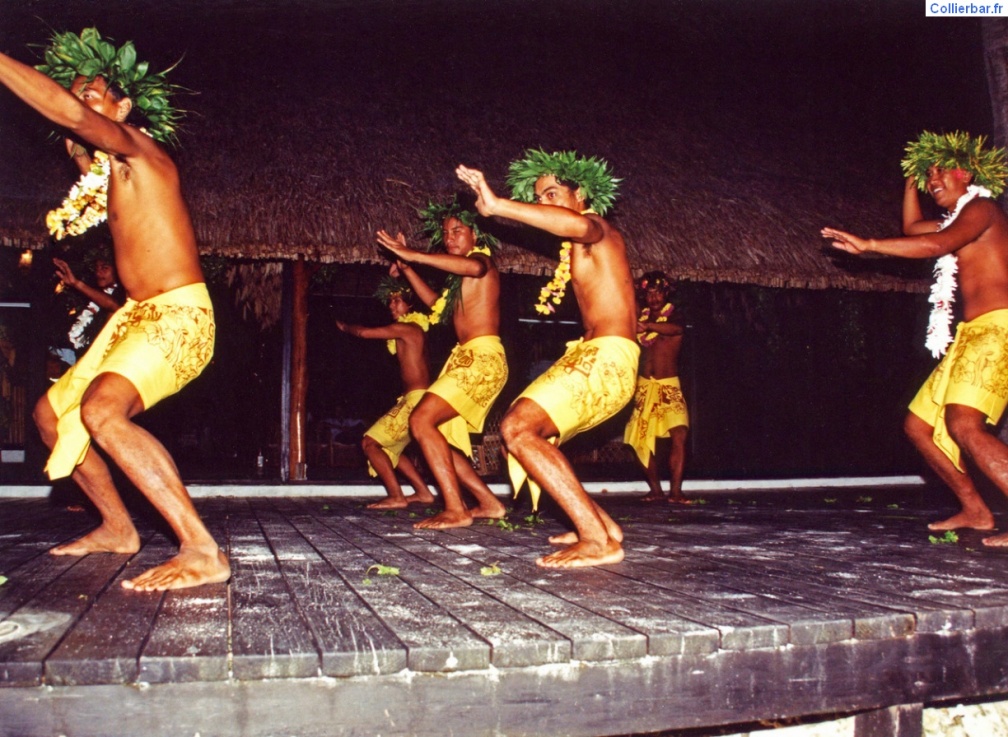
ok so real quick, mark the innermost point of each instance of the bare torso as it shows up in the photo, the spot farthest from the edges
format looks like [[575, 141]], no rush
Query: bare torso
[[660, 358], [983, 266], [477, 310], [411, 350], [152, 233], [603, 285]]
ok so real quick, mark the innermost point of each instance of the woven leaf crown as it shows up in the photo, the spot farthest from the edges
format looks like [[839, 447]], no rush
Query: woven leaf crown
[[591, 174], [436, 213], [957, 150], [389, 286], [88, 55]]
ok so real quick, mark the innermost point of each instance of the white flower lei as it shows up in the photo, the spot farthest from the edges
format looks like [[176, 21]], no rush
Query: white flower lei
[[86, 205], [76, 332], [939, 330]]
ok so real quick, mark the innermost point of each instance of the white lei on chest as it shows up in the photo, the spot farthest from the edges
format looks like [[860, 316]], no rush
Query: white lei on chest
[[939, 330], [76, 332]]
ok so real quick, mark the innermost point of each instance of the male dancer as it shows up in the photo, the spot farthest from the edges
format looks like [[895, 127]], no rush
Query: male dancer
[[163, 336], [659, 406], [969, 387], [566, 195], [460, 398], [386, 439]]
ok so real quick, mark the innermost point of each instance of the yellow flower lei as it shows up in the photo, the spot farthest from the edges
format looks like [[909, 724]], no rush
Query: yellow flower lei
[[645, 316], [450, 291], [86, 205], [553, 292], [416, 318]]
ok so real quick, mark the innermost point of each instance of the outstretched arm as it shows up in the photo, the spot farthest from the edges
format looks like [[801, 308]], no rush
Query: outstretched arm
[[974, 219], [461, 265], [560, 221], [384, 332], [68, 111]]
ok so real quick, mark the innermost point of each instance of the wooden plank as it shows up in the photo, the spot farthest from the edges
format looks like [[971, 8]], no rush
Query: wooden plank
[[51, 614], [580, 593], [104, 644], [736, 630], [269, 638], [500, 608], [188, 640], [352, 639], [434, 639]]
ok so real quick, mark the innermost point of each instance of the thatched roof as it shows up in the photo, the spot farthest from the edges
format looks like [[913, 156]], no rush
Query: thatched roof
[[318, 123]]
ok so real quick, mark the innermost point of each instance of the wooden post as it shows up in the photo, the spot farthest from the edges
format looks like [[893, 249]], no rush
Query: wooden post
[[299, 371]]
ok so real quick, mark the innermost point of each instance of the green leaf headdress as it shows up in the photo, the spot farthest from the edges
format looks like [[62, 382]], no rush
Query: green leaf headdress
[[89, 55], [389, 287], [592, 175], [436, 213], [956, 150]]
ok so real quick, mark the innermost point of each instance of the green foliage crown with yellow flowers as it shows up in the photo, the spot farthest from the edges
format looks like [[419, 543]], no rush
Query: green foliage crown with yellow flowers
[[958, 150], [591, 174], [88, 55], [434, 215], [389, 287]]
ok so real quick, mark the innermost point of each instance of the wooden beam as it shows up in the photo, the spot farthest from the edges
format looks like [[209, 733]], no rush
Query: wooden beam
[[299, 370]]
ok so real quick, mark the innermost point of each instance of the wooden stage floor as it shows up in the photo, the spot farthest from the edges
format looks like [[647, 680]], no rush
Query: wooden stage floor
[[740, 609]]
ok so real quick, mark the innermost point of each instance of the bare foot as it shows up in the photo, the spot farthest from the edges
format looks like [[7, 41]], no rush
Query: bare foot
[[652, 496], [680, 499], [491, 510], [418, 498], [101, 540], [977, 521], [582, 555], [444, 520], [567, 538], [189, 568], [389, 503], [996, 541]]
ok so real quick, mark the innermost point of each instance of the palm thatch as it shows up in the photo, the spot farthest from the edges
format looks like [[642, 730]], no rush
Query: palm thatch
[[319, 123]]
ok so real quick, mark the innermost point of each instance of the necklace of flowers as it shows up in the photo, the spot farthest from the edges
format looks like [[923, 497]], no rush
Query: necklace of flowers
[[647, 338], [86, 204], [445, 303], [553, 293], [76, 332], [939, 330], [416, 318]]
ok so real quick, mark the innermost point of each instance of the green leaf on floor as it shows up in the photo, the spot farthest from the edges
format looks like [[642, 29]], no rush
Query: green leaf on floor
[[949, 538]]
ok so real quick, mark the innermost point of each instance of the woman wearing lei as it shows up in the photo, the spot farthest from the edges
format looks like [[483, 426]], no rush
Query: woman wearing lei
[[459, 401], [385, 441], [968, 390]]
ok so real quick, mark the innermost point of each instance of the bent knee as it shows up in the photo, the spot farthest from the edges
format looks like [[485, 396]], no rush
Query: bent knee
[[96, 413], [964, 423], [45, 418], [369, 444]]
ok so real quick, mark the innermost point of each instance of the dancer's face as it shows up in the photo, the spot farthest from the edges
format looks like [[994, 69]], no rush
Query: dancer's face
[[549, 191], [458, 237], [97, 96], [397, 306], [105, 274], [947, 185], [655, 298]]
